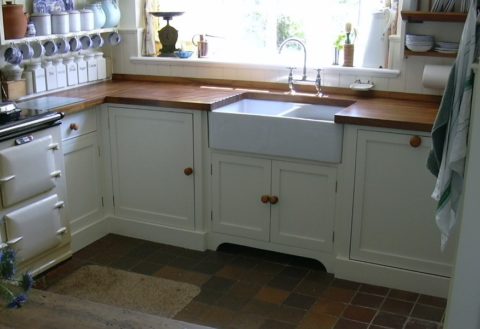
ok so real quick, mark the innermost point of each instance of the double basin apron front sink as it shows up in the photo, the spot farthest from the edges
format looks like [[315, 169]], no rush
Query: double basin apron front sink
[[290, 129]]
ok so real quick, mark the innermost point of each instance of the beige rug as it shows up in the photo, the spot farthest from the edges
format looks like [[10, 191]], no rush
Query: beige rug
[[127, 290]]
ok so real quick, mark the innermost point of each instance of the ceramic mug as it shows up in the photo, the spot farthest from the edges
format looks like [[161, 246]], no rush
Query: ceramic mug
[[63, 46], [86, 42], [38, 49], [13, 55], [114, 38], [75, 44], [27, 50], [97, 41], [50, 48]]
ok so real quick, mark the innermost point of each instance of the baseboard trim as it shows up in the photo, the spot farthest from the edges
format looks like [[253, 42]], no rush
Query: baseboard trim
[[89, 234], [396, 278], [158, 233]]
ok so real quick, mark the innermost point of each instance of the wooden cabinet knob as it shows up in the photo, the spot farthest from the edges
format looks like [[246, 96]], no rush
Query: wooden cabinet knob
[[274, 199], [188, 171], [74, 126], [415, 141], [265, 199]]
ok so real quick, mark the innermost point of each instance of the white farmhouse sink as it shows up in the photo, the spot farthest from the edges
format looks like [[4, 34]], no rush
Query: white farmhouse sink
[[297, 130]]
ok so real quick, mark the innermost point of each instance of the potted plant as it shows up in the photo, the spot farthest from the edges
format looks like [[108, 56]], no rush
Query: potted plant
[[338, 45], [12, 289]]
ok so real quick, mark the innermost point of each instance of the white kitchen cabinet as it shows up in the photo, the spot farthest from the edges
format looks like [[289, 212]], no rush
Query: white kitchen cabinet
[[275, 201], [393, 214], [83, 175], [152, 166]]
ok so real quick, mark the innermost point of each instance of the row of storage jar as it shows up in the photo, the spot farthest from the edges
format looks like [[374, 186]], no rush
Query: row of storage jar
[[93, 17], [63, 72]]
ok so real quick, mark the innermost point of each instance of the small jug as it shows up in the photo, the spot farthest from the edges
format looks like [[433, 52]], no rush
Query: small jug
[[202, 45]]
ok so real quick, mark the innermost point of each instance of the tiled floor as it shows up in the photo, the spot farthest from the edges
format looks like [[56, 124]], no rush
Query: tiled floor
[[249, 288]]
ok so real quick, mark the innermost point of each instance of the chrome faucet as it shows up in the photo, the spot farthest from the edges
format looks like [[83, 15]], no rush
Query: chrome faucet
[[304, 75]]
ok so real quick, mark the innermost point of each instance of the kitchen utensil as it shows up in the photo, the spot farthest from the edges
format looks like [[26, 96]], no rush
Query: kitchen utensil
[[26, 49], [38, 49], [72, 71], [74, 21], [97, 41], [60, 23], [183, 53], [42, 22], [14, 21], [87, 22], [50, 74], [112, 13], [201, 44], [61, 71], [31, 31], [101, 66], [75, 44], [168, 35], [63, 46], [82, 68], [99, 17], [114, 38], [376, 48], [86, 42], [13, 55], [50, 47]]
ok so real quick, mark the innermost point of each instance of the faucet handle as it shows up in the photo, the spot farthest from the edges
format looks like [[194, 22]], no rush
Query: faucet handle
[[318, 83], [290, 79]]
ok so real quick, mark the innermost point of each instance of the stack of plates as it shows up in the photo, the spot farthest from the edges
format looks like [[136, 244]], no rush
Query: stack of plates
[[419, 43], [443, 5], [446, 47]]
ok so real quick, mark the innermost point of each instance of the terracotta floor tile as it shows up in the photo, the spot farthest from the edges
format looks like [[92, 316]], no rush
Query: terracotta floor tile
[[207, 267], [318, 321], [288, 314], [426, 312], [231, 272], [217, 317], [403, 295], [231, 302], [184, 263], [244, 289], [245, 263], [367, 300], [192, 312], [358, 313], [328, 306], [146, 268], [390, 320], [269, 267], [256, 277], [375, 290], [169, 272], [194, 278], [270, 324], [284, 282], [420, 324], [311, 288], [294, 272], [349, 324], [397, 306], [320, 277], [208, 297], [125, 262], [219, 284], [339, 294], [272, 295], [246, 321], [260, 308], [303, 302], [432, 301], [340, 283], [160, 257]]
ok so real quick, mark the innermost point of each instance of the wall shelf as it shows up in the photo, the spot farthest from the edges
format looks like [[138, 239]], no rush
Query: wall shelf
[[430, 53], [421, 16], [57, 36]]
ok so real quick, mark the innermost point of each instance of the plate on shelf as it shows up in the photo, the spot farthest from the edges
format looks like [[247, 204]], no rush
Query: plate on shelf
[[49, 6], [419, 48]]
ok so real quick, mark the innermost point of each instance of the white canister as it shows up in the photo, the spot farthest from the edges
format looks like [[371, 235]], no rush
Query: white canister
[[92, 71], [39, 81], [60, 23], [50, 75], [98, 15], [28, 76], [61, 70], [82, 68], [42, 22], [74, 21], [72, 71], [87, 22], [101, 66]]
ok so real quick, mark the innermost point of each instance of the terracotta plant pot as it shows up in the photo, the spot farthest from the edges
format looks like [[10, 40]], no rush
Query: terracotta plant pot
[[14, 21]]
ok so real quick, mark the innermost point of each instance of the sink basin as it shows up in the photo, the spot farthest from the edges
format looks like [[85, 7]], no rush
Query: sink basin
[[289, 129]]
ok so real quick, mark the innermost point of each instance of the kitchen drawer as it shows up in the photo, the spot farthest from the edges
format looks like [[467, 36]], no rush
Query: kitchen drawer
[[78, 124]]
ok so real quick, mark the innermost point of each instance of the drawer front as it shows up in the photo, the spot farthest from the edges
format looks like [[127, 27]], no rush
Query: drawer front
[[78, 124], [35, 228]]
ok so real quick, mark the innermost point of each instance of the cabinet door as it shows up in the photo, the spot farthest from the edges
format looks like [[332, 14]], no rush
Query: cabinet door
[[84, 190], [393, 214], [238, 185], [304, 214], [150, 151]]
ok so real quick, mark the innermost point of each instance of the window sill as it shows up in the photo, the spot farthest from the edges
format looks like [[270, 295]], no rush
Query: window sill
[[208, 62]]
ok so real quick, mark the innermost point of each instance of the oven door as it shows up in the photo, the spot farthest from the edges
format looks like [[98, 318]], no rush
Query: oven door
[[27, 170], [35, 228]]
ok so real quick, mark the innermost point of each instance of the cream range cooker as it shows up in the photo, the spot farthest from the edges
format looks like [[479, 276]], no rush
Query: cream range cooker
[[32, 190]]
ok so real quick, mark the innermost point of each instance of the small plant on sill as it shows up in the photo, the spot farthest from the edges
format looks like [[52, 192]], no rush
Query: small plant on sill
[[338, 45], [12, 290]]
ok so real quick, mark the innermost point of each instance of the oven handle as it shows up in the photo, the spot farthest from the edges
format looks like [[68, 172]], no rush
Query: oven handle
[[53, 146], [14, 241], [6, 179], [56, 174], [61, 231], [59, 204]]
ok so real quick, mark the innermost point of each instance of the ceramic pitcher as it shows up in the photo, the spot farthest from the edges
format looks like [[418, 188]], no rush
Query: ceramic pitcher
[[112, 13]]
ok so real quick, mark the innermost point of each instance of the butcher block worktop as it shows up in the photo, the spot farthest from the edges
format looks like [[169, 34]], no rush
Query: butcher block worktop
[[374, 111]]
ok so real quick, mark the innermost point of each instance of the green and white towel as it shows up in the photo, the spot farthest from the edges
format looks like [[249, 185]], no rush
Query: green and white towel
[[450, 131]]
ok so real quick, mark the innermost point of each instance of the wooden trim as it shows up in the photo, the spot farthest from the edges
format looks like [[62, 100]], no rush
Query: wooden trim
[[421, 16], [430, 53], [259, 87]]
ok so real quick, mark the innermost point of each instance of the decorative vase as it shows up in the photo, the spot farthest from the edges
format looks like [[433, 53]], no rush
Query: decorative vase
[[348, 51], [112, 13]]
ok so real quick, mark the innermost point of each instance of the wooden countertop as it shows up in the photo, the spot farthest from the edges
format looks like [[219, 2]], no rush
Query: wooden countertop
[[379, 112]]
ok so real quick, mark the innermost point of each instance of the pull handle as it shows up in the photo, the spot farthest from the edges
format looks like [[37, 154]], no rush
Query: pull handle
[[265, 199], [61, 231], [274, 199], [6, 179], [415, 141], [3, 245], [188, 171], [56, 174], [14, 241], [74, 126], [53, 146], [59, 204]]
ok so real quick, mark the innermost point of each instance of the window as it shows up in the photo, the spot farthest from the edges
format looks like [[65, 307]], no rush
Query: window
[[251, 30]]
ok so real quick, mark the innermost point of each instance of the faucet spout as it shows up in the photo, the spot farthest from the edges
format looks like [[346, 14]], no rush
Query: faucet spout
[[304, 73]]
